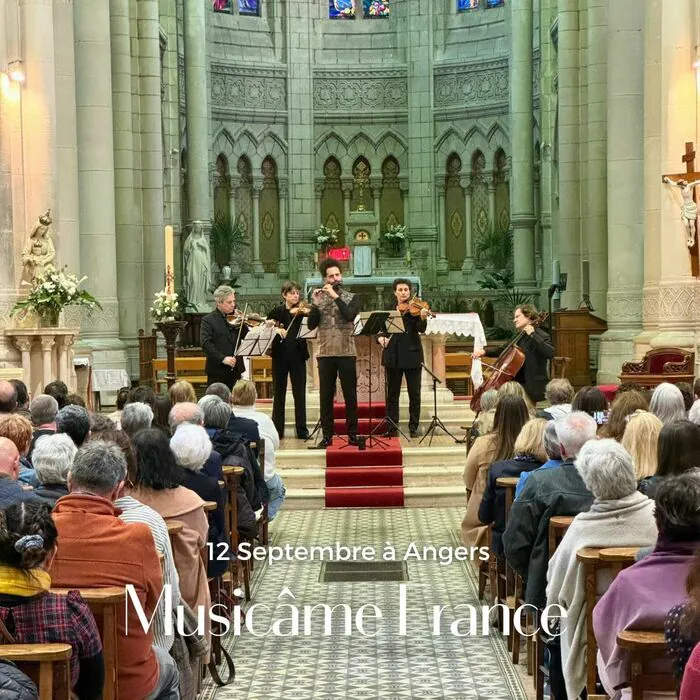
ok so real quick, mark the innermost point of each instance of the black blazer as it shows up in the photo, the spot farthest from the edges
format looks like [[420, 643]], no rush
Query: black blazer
[[290, 348], [533, 374], [218, 340], [405, 350]]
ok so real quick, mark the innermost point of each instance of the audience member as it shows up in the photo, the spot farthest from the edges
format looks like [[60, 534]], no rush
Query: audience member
[[91, 533], [641, 440], [559, 393], [219, 389], [591, 400], [696, 389], [529, 454], [28, 543], [136, 416], [667, 403], [42, 410], [10, 490], [514, 388], [511, 416], [74, 400], [622, 408], [8, 397], [552, 450], [686, 389], [182, 391], [483, 423], [142, 394], [235, 425], [243, 399], [53, 458], [75, 422], [694, 412], [58, 390], [121, 401], [642, 595], [22, 394], [99, 423], [186, 412], [621, 517], [18, 429], [558, 491], [161, 410]]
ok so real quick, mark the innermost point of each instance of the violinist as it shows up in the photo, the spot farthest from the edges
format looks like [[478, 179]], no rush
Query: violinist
[[538, 348], [220, 336], [403, 357], [289, 356]]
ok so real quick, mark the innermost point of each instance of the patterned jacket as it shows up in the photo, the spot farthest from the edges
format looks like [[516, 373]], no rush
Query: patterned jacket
[[334, 320]]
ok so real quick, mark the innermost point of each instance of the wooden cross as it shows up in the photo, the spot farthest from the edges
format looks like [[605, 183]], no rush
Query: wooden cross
[[169, 278], [689, 176]]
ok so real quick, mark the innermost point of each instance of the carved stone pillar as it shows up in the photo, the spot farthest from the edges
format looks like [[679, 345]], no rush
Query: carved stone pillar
[[468, 264], [25, 347], [283, 263], [318, 192], [492, 204], [47, 343], [347, 192], [257, 264], [442, 265], [376, 187]]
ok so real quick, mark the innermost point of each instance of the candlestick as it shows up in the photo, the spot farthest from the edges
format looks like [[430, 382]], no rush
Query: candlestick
[[169, 260]]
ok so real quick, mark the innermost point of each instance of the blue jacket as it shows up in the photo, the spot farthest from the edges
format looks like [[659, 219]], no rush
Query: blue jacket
[[523, 477]]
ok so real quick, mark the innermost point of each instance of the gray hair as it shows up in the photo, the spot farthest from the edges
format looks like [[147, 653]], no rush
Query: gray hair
[[694, 412], [489, 400], [558, 391], [216, 412], [667, 403], [677, 506], [191, 446], [98, 466], [52, 458], [136, 416], [551, 441], [222, 293], [219, 389], [574, 431], [607, 469], [43, 409], [185, 412], [75, 422]]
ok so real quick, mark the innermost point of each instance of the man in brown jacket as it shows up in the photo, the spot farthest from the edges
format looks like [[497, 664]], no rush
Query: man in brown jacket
[[97, 550]]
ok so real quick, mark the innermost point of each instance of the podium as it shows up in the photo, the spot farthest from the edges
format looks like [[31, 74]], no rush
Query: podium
[[572, 330]]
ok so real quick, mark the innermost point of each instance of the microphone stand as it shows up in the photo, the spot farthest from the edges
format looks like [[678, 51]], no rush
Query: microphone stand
[[435, 422]]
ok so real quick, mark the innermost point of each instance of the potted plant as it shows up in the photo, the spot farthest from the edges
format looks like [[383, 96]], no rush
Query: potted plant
[[394, 238], [494, 249], [50, 292], [226, 239]]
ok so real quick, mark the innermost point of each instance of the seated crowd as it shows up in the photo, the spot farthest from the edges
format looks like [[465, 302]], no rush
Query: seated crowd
[[86, 502], [626, 475]]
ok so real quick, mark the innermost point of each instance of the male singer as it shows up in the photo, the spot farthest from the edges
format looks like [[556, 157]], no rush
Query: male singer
[[333, 312], [289, 356], [403, 356], [219, 338]]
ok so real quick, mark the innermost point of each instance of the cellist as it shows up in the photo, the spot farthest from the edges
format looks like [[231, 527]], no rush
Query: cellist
[[538, 348]]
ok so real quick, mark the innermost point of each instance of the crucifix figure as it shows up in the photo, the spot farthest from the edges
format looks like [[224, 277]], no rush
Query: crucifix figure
[[686, 184]]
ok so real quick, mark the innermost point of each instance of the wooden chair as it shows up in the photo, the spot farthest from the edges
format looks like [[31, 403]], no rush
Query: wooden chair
[[105, 604], [148, 351], [263, 521], [619, 558], [48, 665], [645, 647], [189, 368], [232, 477], [660, 365], [261, 375]]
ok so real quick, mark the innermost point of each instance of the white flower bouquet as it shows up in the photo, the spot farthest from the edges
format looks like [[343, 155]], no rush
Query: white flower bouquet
[[165, 306], [326, 237]]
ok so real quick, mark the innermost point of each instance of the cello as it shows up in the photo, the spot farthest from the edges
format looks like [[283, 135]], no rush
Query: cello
[[508, 364]]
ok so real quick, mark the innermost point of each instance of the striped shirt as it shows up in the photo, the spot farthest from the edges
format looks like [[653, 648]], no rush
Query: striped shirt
[[133, 511]]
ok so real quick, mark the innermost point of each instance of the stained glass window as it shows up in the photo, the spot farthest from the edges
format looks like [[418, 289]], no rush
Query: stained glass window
[[249, 7], [464, 5], [341, 9], [374, 9], [494, 3], [222, 5]]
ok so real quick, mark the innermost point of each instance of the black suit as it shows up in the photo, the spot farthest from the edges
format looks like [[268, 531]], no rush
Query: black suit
[[289, 356], [403, 357], [218, 340], [533, 374]]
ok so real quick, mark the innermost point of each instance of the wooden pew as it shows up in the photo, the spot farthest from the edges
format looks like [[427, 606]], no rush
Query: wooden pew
[[53, 660], [232, 477], [645, 646], [261, 375], [189, 368]]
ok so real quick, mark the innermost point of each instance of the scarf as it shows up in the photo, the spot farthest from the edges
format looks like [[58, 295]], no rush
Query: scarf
[[23, 583]]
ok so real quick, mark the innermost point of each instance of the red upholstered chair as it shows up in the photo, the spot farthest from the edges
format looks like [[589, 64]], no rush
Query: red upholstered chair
[[660, 365]]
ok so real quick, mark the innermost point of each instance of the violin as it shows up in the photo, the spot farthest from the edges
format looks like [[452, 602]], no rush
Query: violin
[[301, 309], [414, 307], [238, 318]]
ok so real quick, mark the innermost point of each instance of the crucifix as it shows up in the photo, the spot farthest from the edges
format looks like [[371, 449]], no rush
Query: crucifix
[[686, 183]]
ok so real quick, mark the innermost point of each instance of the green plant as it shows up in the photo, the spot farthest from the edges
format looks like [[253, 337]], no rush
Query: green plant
[[325, 237], [226, 238], [164, 306], [494, 249], [497, 280]]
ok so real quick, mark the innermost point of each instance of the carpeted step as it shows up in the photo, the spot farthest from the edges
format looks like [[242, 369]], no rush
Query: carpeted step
[[363, 427], [364, 476], [338, 455], [378, 410], [365, 497]]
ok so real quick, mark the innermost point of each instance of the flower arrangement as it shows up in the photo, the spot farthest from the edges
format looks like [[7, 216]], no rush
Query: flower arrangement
[[326, 237], [396, 234], [53, 290], [165, 306], [378, 9]]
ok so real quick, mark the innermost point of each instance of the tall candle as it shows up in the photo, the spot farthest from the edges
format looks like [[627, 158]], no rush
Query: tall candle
[[169, 260]]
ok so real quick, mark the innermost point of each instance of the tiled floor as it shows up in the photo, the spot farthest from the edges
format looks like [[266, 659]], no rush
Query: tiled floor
[[389, 665]]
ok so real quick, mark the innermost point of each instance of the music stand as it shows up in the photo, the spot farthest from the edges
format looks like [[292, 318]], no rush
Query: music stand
[[256, 344], [305, 333], [435, 422]]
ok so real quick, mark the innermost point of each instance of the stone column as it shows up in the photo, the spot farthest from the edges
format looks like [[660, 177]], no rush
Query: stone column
[[257, 264], [568, 244], [283, 263], [442, 239], [468, 264], [47, 343], [96, 178], [61, 353], [522, 123], [492, 203], [25, 347], [347, 192], [318, 192], [196, 101], [232, 196], [376, 186], [625, 182]]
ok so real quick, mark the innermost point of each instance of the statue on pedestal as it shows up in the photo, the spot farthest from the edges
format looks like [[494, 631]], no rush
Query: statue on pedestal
[[197, 263], [39, 250]]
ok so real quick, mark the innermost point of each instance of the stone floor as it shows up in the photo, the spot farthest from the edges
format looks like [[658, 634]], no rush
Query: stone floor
[[417, 664]]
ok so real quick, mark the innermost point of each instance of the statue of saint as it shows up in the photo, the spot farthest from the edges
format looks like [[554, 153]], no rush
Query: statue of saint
[[197, 262], [39, 250], [689, 210]]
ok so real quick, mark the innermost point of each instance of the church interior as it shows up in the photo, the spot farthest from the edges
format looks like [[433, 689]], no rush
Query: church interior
[[526, 169]]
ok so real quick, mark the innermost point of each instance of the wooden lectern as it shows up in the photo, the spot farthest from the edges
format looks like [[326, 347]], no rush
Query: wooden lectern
[[572, 330]]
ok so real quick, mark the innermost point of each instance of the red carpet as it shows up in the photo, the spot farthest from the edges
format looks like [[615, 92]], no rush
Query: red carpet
[[354, 478], [378, 413]]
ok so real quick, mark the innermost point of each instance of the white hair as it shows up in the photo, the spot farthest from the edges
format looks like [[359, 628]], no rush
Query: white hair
[[667, 403], [191, 446], [574, 431], [607, 469], [136, 416], [52, 458], [694, 412]]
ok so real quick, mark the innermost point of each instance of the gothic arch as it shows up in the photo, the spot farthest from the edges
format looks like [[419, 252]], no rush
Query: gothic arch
[[362, 146], [449, 142], [273, 146], [331, 144], [392, 145], [498, 138]]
